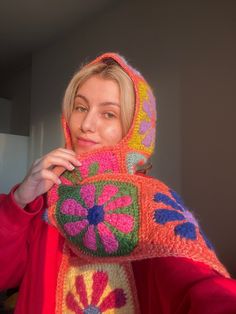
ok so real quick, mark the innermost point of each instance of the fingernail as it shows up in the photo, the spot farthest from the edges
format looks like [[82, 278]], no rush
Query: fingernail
[[58, 181], [78, 163], [71, 167]]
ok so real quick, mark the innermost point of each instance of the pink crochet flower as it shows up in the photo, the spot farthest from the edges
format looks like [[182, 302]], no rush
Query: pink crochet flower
[[98, 221]]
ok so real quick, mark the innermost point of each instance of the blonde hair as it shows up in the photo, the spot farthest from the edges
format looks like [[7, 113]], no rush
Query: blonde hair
[[107, 69]]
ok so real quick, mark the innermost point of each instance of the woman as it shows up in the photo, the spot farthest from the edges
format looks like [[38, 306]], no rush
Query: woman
[[111, 240]]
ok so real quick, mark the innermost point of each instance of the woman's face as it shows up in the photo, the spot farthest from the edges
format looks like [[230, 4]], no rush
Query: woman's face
[[95, 121]]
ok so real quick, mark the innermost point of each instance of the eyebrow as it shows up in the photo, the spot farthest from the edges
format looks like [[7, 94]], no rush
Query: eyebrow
[[105, 103]]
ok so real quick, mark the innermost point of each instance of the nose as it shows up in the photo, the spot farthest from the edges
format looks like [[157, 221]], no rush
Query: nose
[[89, 122]]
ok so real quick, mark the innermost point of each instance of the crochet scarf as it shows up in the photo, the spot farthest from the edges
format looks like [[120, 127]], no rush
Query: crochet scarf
[[110, 216]]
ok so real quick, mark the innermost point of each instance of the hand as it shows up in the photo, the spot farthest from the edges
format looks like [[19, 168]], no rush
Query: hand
[[44, 173]]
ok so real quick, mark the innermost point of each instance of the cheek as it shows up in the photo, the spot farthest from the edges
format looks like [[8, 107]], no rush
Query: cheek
[[112, 134], [73, 123]]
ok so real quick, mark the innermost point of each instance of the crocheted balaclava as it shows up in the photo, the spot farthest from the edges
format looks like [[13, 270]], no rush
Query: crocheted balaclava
[[109, 216]]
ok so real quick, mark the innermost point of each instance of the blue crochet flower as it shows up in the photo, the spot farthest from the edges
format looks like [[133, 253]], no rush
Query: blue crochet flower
[[178, 212]]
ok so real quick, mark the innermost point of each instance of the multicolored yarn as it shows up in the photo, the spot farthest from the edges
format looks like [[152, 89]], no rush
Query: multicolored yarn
[[122, 217], [95, 288], [109, 217]]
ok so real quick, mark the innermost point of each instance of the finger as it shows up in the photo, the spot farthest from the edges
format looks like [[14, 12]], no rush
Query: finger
[[52, 161], [65, 150], [46, 174], [67, 154], [59, 152]]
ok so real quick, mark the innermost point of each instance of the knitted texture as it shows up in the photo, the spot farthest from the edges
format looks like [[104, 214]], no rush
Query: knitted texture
[[109, 216]]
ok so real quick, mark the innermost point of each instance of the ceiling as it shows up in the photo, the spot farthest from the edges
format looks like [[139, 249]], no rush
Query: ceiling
[[28, 25]]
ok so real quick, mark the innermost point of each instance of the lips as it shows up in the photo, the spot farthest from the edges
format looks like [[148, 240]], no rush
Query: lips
[[86, 142]]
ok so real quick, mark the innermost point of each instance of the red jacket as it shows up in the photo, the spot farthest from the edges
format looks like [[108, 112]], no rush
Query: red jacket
[[30, 255]]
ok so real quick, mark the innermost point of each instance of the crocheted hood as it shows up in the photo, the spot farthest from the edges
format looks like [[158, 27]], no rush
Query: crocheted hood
[[138, 144]]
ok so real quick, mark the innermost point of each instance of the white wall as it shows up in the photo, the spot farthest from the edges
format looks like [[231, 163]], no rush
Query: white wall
[[13, 160]]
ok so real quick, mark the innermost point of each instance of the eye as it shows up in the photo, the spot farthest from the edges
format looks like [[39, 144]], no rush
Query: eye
[[109, 115], [80, 108]]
